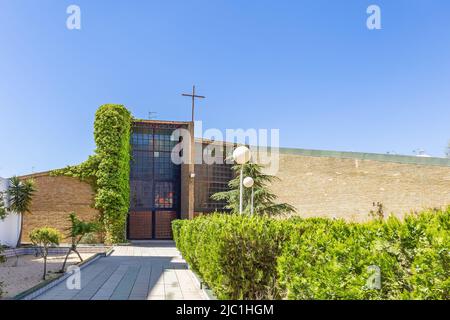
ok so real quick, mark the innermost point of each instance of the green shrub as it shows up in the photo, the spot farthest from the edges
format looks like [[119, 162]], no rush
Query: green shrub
[[176, 229], [326, 259], [44, 238], [244, 257], [428, 239], [234, 254]]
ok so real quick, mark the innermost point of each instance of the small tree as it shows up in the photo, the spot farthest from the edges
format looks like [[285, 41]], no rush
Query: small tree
[[77, 230], [44, 238], [20, 197], [264, 199]]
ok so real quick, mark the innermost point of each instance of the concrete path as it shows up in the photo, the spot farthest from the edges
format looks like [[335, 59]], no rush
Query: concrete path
[[147, 271]]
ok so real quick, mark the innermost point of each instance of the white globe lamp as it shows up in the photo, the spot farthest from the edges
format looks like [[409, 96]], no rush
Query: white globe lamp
[[241, 155], [248, 182]]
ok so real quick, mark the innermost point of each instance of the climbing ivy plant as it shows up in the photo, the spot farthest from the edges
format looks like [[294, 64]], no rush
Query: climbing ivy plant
[[112, 136], [86, 171], [108, 170]]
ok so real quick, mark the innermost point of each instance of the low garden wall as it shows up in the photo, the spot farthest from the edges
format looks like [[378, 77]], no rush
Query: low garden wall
[[8, 253], [243, 257]]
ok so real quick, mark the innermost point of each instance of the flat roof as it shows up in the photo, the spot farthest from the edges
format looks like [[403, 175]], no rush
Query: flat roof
[[428, 161], [405, 159], [160, 121]]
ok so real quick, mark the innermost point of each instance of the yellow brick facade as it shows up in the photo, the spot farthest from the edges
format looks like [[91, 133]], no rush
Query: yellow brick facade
[[347, 188], [55, 198]]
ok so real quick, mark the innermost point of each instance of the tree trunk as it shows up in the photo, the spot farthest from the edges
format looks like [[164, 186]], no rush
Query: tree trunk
[[19, 240], [65, 260], [45, 266], [79, 256]]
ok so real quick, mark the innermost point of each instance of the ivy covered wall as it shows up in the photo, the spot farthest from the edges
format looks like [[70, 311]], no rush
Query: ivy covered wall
[[112, 136], [108, 170]]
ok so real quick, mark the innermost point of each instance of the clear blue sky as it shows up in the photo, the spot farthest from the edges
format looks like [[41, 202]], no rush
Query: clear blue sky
[[310, 68]]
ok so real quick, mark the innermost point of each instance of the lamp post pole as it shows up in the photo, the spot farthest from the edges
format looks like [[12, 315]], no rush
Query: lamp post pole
[[251, 208], [249, 183], [241, 189], [241, 155]]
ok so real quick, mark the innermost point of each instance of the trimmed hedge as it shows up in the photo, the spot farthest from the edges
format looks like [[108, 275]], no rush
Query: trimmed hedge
[[243, 257], [234, 254]]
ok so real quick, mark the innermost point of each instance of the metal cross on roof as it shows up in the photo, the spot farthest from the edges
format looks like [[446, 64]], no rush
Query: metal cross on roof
[[193, 96]]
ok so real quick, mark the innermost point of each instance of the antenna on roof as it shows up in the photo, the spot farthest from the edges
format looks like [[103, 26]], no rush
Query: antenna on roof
[[152, 115], [421, 153]]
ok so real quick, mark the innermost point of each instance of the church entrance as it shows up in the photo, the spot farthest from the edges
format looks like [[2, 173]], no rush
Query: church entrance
[[155, 181]]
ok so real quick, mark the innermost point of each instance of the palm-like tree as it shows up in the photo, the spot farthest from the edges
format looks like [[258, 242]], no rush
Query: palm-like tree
[[264, 199], [20, 197], [77, 230]]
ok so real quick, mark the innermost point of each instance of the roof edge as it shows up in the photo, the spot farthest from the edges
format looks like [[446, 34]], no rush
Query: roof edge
[[431, 161]]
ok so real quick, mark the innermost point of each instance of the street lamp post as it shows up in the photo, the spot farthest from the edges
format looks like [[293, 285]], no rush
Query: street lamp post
[[248, 183], [241, 155]]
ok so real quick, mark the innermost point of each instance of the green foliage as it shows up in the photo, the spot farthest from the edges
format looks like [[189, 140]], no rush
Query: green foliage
[[112, 136], [242, 257], [79, 228], [176, 229], [108, 170], [20, 195], [328, 259], [234, 254], [3, 211], [2, 257], [44, 238], [264, 200], [86, 171]]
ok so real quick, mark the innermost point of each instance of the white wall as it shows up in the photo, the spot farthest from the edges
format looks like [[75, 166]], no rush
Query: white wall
[[10, 226]]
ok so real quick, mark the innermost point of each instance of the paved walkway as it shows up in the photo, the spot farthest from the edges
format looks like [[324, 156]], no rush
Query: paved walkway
[[150, 271]]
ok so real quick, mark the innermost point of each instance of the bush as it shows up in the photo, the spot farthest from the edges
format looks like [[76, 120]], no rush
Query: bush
[[325, 259], [244, 257], [234, 254], [44, 238], [176, 229]]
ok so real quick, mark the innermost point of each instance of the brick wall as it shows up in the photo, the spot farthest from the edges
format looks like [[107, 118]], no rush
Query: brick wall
[[339, 187], [55, 198]]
